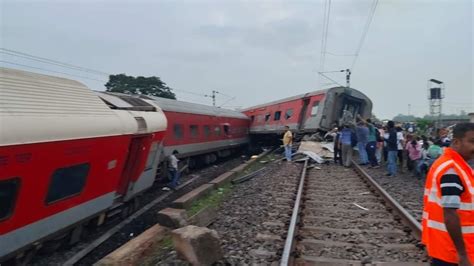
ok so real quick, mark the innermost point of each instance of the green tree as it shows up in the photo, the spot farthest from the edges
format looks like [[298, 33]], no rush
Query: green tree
[[152, 86]]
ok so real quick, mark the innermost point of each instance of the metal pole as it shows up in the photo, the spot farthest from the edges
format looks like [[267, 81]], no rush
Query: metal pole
[[348, 78]]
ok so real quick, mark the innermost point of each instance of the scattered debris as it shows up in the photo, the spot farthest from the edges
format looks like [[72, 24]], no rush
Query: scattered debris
[[254, 157], [312, 155], [357, 205], [323, 149], [364, 193]]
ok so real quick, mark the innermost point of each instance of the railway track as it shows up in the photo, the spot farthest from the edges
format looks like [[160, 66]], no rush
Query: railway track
[[341, 216]]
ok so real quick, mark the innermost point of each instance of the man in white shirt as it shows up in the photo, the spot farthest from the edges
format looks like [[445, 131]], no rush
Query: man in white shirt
[[173, 170]]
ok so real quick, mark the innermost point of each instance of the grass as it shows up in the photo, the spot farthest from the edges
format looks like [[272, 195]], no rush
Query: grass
[[162, 247], [211, 200]]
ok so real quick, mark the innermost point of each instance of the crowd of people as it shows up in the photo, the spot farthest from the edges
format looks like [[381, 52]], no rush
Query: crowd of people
[[445, 160], [400, 149]]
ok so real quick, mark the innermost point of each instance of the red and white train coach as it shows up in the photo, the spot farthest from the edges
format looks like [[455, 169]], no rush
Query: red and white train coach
[[195, 131], [66, 157], [202, 132], [309, 112]]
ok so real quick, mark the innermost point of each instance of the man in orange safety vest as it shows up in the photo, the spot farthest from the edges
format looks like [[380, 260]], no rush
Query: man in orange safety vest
[[448, 213]]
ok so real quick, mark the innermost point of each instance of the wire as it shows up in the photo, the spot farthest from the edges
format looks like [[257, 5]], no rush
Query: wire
[[51, 61], [334, 54], [53, 71], [364, 32], [327, 14], [189, 92], [233, 98], [322, 74]]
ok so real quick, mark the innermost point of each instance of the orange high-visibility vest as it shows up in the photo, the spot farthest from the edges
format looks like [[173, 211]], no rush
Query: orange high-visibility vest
[[435, 235]]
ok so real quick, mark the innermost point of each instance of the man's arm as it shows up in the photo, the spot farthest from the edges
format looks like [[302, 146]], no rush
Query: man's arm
[[451, 190], [453, 225]]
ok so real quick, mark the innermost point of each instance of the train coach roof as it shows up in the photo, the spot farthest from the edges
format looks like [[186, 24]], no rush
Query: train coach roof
[[292, 98], [39, 108], [194, 108], [309, 94]]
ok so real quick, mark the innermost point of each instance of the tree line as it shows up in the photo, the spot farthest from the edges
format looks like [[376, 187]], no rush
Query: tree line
[[152, 86]]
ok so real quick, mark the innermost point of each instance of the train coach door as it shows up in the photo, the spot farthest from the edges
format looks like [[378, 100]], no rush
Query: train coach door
[[302, 116], [132, 163]]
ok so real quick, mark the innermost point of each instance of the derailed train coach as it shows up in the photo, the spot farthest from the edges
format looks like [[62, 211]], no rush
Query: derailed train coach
[[308, 113]]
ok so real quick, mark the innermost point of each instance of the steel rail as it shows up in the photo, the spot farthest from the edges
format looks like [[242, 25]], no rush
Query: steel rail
[[294, 219], [407, 218]]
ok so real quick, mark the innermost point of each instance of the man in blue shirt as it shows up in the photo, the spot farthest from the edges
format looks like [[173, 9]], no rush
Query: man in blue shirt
[[362, 133], [345, 144]]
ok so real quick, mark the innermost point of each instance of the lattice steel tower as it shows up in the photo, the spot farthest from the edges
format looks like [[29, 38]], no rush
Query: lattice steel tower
[[435, 97]]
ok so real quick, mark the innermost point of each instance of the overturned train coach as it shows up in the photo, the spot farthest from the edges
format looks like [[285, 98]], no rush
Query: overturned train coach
[[69, 158], [307, 113]]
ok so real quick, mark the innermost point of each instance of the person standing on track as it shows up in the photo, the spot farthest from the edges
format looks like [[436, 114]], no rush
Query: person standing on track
[[173, 171], [362, 133], [371, 145], [448, 211], [392, 149], [346, 143], [287, 143]]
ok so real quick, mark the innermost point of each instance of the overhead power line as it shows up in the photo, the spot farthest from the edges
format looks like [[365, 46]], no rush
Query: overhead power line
[[19, 54], [49, 70], [51, 61], [364, 32], [326, 19]]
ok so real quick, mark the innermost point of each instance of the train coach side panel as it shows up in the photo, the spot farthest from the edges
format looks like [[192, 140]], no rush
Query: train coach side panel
[[193, 134], [273, 118], [57, 184]]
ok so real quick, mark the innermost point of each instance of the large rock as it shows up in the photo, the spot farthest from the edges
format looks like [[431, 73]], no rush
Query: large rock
[[198, 245], [173, 218]]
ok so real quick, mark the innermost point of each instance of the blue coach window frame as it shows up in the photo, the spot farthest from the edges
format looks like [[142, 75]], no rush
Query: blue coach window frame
[[67, 182], [9, 190]]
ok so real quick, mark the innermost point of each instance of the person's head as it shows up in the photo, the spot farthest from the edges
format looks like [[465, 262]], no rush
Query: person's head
[[287, 128], [463, 140], [438, 142], [414, 142], [175, 152], [399, 129], [369, 121], [390, 124]]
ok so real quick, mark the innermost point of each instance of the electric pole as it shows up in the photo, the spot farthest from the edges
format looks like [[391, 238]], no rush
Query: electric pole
[[213, 96], [348, 78]]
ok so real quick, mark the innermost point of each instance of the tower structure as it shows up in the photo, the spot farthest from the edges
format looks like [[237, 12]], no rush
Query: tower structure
[[435, 98]]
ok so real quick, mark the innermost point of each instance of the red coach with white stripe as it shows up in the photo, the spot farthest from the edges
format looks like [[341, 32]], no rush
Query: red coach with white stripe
[[66, 157]]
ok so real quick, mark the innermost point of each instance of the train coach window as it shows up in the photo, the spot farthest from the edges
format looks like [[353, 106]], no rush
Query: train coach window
[[227, 129], [207, 131], [67, 182], [267, 117], [252, 118], [277, 115], [314, 109], [194, 131], [217, 130], [178, 131], [288, 114], [8, 194]]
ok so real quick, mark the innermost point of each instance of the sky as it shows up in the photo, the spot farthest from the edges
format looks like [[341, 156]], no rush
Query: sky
[[253, 52]]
